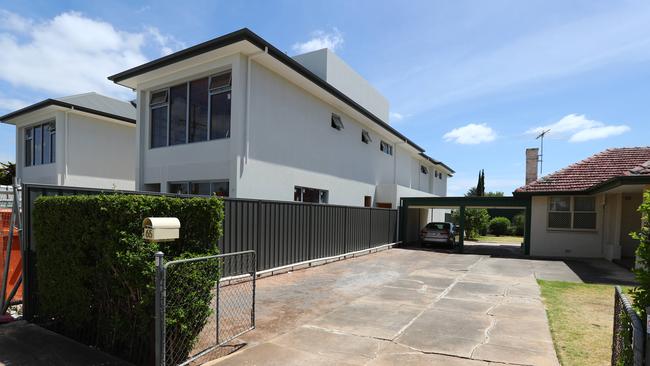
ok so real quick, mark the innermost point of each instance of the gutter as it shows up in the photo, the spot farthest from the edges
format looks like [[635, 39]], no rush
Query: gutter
[[54, 102], [246, 34], [597, 188]]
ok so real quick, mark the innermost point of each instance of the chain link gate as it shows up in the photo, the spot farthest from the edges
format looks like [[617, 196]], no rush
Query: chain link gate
[[201, 304]]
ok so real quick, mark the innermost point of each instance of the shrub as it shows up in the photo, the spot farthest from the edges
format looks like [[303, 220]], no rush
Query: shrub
[[499, 226], [476, 221], [518, 224], [95, 273], [641, 293]]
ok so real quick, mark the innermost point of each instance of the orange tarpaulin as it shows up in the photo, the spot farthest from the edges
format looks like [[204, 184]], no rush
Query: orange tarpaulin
[[16, 265]]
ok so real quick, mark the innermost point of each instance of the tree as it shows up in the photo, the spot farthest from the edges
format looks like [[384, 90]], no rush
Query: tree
[[480, 186], [494, 194], [476, 221], [518, 224], [7, 173]]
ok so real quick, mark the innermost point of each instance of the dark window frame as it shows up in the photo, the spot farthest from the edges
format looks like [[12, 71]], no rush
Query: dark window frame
[[365, 137], [223, 88], [47, 131], [336, 122], [386, 148]]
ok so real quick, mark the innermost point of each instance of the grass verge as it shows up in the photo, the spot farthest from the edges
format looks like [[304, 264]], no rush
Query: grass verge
[[504, 239], [580, 316]]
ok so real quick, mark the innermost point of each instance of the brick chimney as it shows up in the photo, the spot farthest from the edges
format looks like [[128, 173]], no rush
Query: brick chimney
[[532, 158]]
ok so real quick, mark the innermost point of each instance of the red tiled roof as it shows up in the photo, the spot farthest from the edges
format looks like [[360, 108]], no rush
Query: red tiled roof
[[598, 168]]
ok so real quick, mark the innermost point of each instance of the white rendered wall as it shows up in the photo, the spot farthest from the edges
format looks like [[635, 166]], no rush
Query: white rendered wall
[[91, 152], [331, 68], [100, 153], [206, 160], [563, 243], [293, 144]]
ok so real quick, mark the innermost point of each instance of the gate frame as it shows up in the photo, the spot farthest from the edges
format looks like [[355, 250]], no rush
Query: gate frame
[[462, 203], [161, 303]]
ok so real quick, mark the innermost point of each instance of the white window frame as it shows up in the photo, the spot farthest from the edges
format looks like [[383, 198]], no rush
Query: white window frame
[[320, 195], [188, 184], [572, 211], [386, 148]]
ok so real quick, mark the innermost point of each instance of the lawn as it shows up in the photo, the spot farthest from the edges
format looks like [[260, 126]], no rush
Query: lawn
[[503, 239], [580, 317]]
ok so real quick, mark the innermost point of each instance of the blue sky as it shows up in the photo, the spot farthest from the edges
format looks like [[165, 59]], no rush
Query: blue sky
[[470, 81]]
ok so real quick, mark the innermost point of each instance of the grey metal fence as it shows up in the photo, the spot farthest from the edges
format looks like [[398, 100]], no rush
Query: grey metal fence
[[283, 233], [201, 304], [628, 346]]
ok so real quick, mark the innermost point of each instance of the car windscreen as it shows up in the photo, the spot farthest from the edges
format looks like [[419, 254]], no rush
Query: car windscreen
[[438, 226]]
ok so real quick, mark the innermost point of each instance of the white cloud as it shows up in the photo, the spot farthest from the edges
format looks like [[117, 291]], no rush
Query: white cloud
[[578, 128], [394, 116], [471, 134], [168, 44], [320, 39], [14, 22], [595, 133], [72, 53], [11, 104]]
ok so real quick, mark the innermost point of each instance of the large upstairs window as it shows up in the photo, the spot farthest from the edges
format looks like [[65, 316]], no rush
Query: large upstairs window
[[194, 111], [40, 144]]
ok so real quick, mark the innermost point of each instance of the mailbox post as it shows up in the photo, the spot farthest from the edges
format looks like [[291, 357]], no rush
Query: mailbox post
[[160, 229]]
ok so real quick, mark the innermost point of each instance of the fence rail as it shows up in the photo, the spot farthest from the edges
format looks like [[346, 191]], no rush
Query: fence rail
[[628, 346], [196, 312]]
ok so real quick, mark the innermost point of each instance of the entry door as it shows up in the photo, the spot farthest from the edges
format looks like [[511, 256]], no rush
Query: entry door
[[630, 221]]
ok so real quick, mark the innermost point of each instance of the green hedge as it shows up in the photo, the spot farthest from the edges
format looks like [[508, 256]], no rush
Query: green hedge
[[641, 293], [499, 226], [95, 273]]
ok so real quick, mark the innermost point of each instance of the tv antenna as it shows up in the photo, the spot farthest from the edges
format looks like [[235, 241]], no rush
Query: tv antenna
[[541, 151]]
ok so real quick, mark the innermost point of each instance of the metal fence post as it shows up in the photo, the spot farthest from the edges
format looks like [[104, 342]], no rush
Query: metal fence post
[[647, 336], [160, 309]]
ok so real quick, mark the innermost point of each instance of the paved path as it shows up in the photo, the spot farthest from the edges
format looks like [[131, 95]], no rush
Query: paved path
[[26, 344], [405, 307]]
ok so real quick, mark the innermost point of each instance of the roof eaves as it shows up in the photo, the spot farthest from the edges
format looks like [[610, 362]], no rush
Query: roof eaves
[[54, 102], [437, 162], [246, 34]]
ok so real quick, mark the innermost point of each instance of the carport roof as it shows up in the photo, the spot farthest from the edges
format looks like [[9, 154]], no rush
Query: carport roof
[[492, 202]]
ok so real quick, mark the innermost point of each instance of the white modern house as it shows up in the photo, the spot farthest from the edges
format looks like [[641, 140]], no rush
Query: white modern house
[[85, 140], [237, 117], [589, 208]]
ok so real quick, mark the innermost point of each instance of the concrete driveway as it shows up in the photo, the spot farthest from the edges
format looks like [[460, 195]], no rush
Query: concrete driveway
[[404, 307]]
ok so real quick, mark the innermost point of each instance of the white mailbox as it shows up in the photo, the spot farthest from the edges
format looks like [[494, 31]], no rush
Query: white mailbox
[[161, 228]]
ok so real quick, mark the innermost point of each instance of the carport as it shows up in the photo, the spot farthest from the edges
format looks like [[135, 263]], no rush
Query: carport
[[408, 204]]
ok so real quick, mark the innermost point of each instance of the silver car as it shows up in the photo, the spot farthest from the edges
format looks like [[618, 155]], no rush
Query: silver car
[[438, 232]]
